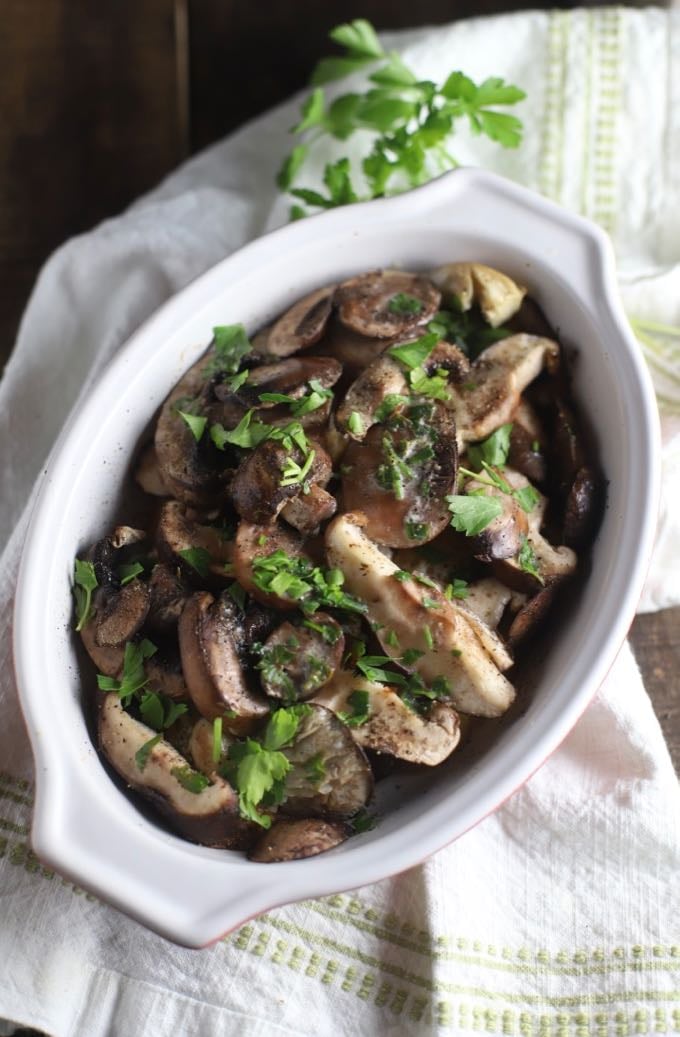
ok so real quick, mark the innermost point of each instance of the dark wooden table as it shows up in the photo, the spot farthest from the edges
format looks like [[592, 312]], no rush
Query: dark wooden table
[[99, 101]]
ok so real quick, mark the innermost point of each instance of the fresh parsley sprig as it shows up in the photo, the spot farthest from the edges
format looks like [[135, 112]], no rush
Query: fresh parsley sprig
[[134, 678], [84, 583], [411, 121]]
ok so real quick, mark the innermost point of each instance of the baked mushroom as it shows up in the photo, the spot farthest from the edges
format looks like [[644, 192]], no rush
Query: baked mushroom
[[167, 593], [302, 325], [295, 840], [527, 444], [148, 474], [401, 473], [298, 659], [495, 383], [121, 613], [255, 541], [206, 814], [352, 350], [307, 511], [408, 617], [386, 303], [359, 409], [496, 294], [261, 486], [201, 552], [211, 659], [330, 775], [391, 726], [502, 537]]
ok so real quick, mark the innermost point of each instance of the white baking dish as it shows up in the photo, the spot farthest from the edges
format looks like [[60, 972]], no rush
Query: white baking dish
[[84, 825]]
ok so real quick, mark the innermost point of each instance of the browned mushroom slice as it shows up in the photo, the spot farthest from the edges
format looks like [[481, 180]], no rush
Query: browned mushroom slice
[[126, 536], [582, 507], [408, 616], [359, 409], [527, 444], [353, 351], [307, 511], [530, 616], [297, 660], [400, 474], [502, 537], [121, 614], [386, 303], [211, 660], [165, 675], [261, 486], [258, 541], [302, 325], [446, 356], [330, 775], [497, 295], [391, 727], [148, 474], [488, 598], [108, 661], [168, 593], [296, 840], [496, 380], [201, 552], [289, 377], [202, 745], [541, 564], [209, 815]]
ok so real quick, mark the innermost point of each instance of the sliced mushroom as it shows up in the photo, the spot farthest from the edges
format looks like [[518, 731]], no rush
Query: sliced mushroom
[[330, 775], [531, 616], [527, 440], [502, 538], [289, 377], [121, 614], [164, 673], [179, 532], [210, 816], [582, 507], [406, 615], [187, 467], [108, 661], [257, 541], [497, 295], [400, 474], [168, 593], [552, 563], [148, 474], [202, 744], [260, 489], [488, 599], [353, 351], [357, 412], [307, 511], [297, 660], [296, 840], [386, 303], [211, 660], [391, 727], [302, 325], [495, 382], [446, 356]]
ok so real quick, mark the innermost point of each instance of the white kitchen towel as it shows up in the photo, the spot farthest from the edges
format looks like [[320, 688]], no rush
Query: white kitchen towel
[[559, 915]]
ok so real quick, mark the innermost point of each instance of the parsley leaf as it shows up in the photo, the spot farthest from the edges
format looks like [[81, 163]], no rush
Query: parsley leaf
[[403, 303], [198, 558], [85, 581], [134, 678], [473, 513], [527, 561], [247, 434], [360, 712], [126, 573], [493, 450], [413, 354], [363, 822], [195, 422], [316, 769], [388, 406], [298, 580], [191, 780], [143, 753], [159, 711], [527, 498], [457, 589], [230, 345]]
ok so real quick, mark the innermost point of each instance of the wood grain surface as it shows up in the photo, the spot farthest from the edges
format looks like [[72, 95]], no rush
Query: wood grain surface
[[99, 101]]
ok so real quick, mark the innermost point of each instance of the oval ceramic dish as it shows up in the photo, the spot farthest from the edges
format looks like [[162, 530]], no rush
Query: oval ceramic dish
[[85, 826]]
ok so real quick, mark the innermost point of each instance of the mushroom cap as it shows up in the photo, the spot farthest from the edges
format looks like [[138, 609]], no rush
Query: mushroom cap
[[382, 378], [497, 295], [307, 511], [352, 350], [299, 659], [369, 467], [347, 782], [168, 593], [210, 817], [121, 613], [392, 727], [302, 325], [582, 507], [366, 303], [294, 840], [257, 491], [211, 660], [148, 474]]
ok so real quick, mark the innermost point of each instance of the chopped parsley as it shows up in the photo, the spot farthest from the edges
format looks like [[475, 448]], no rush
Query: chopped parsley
[[293, 472], [217, 740], [473, 512], [298, 580], [416, 530], [414, 354], [457, 589], [126, 573], [359, 713], [363, 822], [493, 450], [355, 423], [196, 423], [316, 769], [198, 558], [388, 406], [134, 678], [527, 561], [230, 346], [144, 751], [191, 780], [159, 711], [404, 304], [85, 581]]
